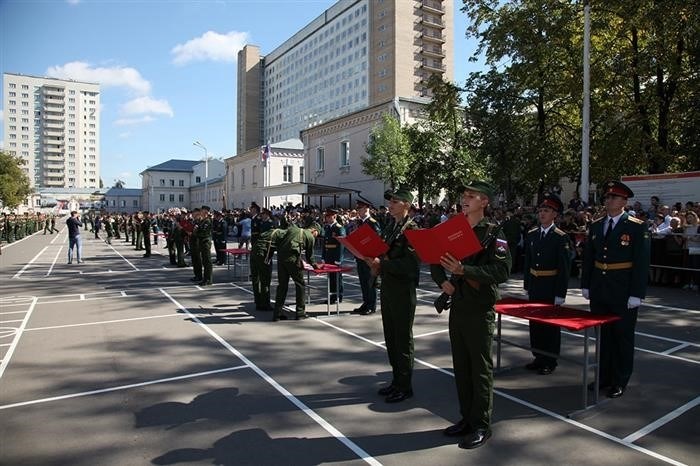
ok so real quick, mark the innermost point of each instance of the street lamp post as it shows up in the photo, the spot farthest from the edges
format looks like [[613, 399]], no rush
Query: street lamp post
[[206, 168]]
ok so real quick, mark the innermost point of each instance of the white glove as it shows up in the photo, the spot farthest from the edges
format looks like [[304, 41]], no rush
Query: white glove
[[559, 301], [585, 293], [633, 302]]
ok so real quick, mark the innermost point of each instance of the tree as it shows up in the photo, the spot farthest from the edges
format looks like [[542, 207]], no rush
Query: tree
[[119, 184], [389, 157], [14, 183], [426, 155]]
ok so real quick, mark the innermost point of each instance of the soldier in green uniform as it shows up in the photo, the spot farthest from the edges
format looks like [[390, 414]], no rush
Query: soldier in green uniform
[[367, 280], [399, 269], [195, 255], [546, 279], [289, 265], [47, 225], [333, 252], [474, 291], [10, 228], [146, 233], [614, 277], [260, 223], [138, 229], [202, 232], [261, 261]]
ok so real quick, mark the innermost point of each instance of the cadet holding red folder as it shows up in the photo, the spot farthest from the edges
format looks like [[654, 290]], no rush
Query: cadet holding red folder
[[454, 236]]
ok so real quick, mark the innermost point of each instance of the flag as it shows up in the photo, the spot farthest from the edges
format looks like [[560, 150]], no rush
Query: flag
[[265, 155]]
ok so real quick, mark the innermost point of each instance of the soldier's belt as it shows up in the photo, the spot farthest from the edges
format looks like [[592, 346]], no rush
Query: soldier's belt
[[613, 265], [331, 246], [544, 273]]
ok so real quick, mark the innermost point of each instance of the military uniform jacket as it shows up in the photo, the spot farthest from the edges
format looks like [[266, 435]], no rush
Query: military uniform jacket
[[257, 227], [482, 271], [332, 249], [400, 263], [218, 232], [203, 230], [547, 264], [267, 242], [294, 241], [627, 243]]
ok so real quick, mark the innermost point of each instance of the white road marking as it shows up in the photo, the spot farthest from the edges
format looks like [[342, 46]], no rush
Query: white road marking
[[54, 261], [531, 406], [293, 399], [102, 322], [13, 345], [121, 387], [19, 274], [661, 421]]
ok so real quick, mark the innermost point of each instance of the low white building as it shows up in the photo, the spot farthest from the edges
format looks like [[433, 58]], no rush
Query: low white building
[[251, 180]]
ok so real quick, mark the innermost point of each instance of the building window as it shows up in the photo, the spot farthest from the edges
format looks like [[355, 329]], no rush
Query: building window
[[320, 159], [172, 198], [345, 153], [301, 174], [287, 175], [122, 203], [181, 183], [135, 203], [181, 198], [162, 198], [172, 183], [242, 177], [162, 182], [198, 179]]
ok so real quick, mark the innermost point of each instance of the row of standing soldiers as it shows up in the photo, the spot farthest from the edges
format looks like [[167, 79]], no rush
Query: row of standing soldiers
[[14, 227]]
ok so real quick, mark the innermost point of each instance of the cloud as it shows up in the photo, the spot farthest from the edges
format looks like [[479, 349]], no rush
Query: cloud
[[125, 135], [115, 76], [146, 105], [134, 121], [210, 46]]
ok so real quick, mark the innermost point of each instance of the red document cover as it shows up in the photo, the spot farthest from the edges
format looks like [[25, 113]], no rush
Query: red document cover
[[364, 242], [454, 236]]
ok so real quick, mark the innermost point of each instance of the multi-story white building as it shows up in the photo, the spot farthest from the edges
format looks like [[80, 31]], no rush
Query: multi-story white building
[[54, 125], [357, 54]]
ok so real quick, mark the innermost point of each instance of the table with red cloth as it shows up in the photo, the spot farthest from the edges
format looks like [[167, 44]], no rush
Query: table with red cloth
[[237, 254], [326, 269], [563, 317]]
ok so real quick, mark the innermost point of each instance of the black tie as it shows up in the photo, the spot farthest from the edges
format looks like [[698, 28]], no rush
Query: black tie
[[542, 234], [610, 227]]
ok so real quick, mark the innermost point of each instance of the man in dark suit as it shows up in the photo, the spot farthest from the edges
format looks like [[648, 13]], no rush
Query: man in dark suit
[[546, 279], [614, 277], [333, 252]]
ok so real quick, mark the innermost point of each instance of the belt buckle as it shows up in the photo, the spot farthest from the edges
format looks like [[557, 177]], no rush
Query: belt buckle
[[605, 266]]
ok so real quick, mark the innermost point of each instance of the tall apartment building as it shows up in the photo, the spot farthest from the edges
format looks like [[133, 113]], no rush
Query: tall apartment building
[[357, 54], [54, 125]]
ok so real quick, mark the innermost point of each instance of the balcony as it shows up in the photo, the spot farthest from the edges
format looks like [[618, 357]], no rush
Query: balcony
[[53, 158], [53, 150], [53, 142], [54, 92], [434, 51], [435, 67], [52, 132], [53, 166], [55, 125], [432, 6], [431, 36], [51, 181], [50, 110], [431, 22]]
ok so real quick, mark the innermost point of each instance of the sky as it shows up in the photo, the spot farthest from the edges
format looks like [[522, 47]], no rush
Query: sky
[[167, 68]]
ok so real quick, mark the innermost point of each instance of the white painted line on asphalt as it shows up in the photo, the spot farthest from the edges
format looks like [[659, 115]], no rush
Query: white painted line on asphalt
[[663, 420], [123, 293], [16, 242], [15, 341], [54, 261], [19, 274], [10, 321], [675, 348], [12, 312], [125, 259], [63, 238], [667, 308], [672, 356], [671, 340], [82, 297], [121, 387], [431, 333], [531, 406], [101, 322], [293, 399], [5, 344]]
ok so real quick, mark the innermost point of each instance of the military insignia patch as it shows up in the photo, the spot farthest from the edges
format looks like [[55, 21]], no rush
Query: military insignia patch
[[501, 247], [625, 240]]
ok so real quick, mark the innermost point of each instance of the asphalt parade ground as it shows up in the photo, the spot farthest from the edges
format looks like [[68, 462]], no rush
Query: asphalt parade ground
[[121, 360]]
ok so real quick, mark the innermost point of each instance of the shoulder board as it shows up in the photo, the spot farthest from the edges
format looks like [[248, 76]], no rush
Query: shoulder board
[[372, 220], [635, 220], [559, 232], [599, 219], [533, 229]]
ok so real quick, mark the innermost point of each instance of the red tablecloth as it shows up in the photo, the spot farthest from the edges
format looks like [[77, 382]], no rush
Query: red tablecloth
[[565, 317], [236, 251], [326, 268]]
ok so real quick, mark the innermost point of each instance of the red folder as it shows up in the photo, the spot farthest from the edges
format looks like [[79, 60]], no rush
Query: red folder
[[454, 236], [364, 242]]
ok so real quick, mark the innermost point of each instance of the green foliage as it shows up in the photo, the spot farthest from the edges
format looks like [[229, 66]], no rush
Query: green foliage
[[524, 111], [14, 183], [388, 149]]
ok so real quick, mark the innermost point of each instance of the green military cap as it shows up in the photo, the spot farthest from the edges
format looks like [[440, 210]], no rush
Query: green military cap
[[315, 226], [401, 194], [479, 186]]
